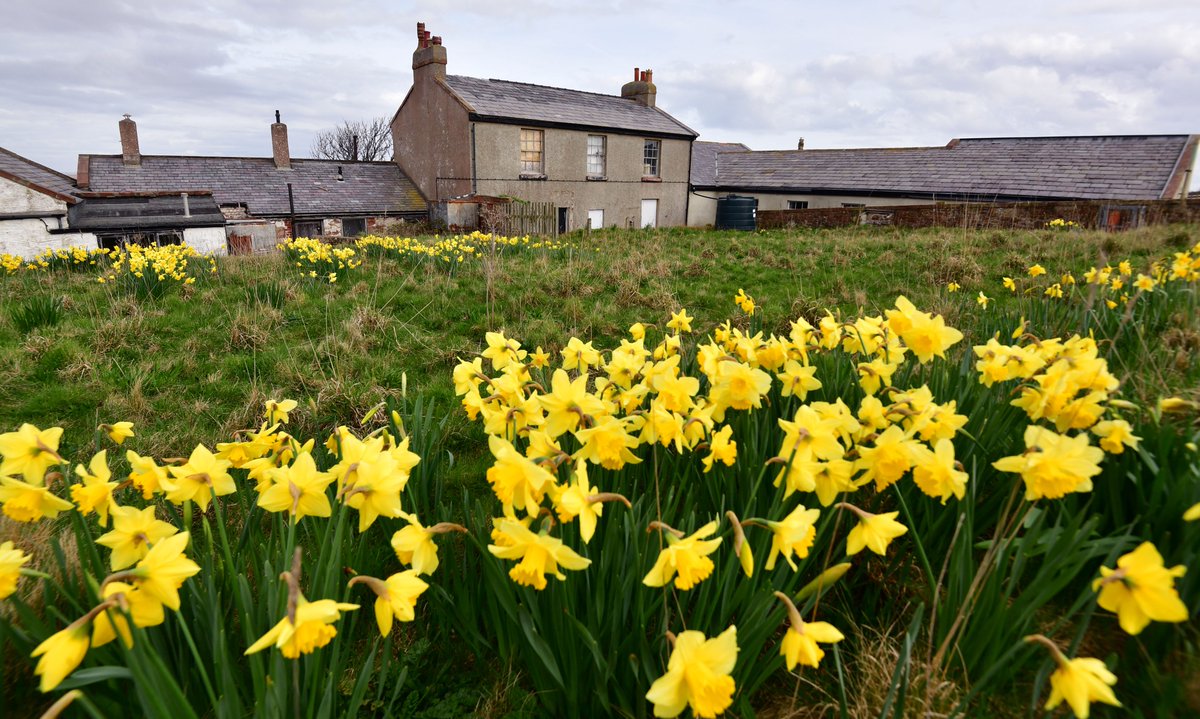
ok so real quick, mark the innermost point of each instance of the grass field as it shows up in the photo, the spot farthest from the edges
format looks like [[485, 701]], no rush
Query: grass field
[[377, 342], [206, 357]]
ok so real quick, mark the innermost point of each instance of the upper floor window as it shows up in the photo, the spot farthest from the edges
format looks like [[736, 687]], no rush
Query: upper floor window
[[533, 157], [797, 204], [651, 153], [597, 150]]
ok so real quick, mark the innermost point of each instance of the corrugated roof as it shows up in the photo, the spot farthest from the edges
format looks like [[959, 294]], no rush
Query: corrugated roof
[[501, 99], [1094, 167], [367, 188], [704, 160], [159, 212], [37, 176]]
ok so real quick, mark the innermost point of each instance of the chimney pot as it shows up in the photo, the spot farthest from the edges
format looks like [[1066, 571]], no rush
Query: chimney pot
[[800, 144], [437, 39], [649, 76], [642, 89], [429, 59], [131, 155], [637, 74]]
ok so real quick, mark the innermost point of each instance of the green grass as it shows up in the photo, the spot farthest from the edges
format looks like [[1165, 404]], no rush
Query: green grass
[[197, 363]]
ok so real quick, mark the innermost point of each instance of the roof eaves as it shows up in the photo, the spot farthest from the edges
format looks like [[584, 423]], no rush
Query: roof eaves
[[69, 199], [1186, 155], [509, 120]]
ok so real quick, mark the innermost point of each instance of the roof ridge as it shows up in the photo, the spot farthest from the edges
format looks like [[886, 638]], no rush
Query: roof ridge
[[544, 87], [266, 159], [39, 165], [1075, 137]]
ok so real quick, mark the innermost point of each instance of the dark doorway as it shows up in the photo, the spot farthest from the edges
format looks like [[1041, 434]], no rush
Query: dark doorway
[[564, 215]]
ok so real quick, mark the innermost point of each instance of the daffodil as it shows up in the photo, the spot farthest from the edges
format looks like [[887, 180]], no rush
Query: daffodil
[[518, 482], [163, 570], [983, 300], [118, 431], [111, 623], [579, 355], [1115, 435], [684, 558], [721, 448], [680, 321], [414, 544], [305, 629], [873, 531], [793, 535], [892, 454], [1054, 465], [1193, 513], [738, 386], [1141, 589], [698, 675], [538, 554], [30, 452], [577, 500], [11, 561], [1078, 681], [60, 654], [145, 473], [608, 443], [277, 412], [637, 331], [567, 403], [375, 483], [134, 532], [395, 598], [200, 479], [95, 493], [298, 489], [24, 502], [938, 475], [800, 642]]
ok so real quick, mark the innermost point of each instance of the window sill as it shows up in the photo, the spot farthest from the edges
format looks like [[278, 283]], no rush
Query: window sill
[[651, 179], [597, 178], [532, 176]]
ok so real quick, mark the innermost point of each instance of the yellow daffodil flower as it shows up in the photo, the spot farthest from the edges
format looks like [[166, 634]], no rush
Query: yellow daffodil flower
[[1053, 465], [681, 322], [1141, 589], [395, 597], [200, 479], [11, 561], [793, 535], [1079, 681], [744, 301], [376, 483], [145, 473], [1193, 513], [414, 544], [1036, 270], [684, 558], [163, 570], [698, 675], [95, 493], [721, 448], [60, 654], [1115, 435], [309, 629], [25, 502], [30, 452], [800, 643], [873, 531], [134, 532], [937, 473], [953, 287], [277, 412], [518, 482], [567, 403], [118, 431], [298, 489], [983, 300], [539, 554], [608, 443]]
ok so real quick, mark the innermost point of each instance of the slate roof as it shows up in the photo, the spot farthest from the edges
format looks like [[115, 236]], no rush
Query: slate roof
[[1094, 167], [504, 100], [369, 188], [704, 160], [158, 212], [31, 174]]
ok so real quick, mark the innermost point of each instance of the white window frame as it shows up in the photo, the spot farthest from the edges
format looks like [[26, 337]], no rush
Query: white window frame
[[651, 161], [597, 161], [797, 204], [532, 152]]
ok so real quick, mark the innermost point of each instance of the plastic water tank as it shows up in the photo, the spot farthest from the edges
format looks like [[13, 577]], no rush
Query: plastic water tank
[[736, 212]]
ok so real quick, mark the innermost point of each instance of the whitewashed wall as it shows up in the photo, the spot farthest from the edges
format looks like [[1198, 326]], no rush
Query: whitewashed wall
[[206, 240], [29, 238], [15, 198]]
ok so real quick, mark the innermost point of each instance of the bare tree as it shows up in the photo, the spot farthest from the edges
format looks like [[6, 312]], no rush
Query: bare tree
[[365, 140]]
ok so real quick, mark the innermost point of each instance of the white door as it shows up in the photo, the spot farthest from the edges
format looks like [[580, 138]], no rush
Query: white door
[[596, 219], [649, 213]]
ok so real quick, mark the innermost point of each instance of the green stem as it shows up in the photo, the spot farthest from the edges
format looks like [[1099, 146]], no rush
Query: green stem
[[187, 634], [912, 527]]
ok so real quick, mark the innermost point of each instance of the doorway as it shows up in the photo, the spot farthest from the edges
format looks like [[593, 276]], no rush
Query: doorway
[[564, 218], [649, 213]]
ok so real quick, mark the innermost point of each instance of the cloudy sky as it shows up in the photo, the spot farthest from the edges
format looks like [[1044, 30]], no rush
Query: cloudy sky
[[204, 77]]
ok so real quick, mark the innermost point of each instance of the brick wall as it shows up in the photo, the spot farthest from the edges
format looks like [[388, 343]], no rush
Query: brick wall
[[1011, 215]]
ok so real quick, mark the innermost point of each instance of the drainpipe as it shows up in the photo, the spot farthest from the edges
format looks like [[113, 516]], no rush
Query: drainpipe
[[474, 174], [291, 213]]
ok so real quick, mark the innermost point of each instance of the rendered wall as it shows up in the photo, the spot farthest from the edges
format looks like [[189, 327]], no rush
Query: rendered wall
[[498, 168]]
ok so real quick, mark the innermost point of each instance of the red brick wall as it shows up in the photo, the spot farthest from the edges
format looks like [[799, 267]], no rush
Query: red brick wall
[[1011, 215]]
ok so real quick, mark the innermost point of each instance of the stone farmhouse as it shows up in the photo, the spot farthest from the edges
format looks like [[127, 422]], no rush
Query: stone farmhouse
[[611, 160], [990, 169]]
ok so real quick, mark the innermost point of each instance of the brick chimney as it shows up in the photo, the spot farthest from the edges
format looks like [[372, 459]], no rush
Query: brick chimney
[[130, 154], [429, 59], [279, 144], [800, 144], [642, 89]]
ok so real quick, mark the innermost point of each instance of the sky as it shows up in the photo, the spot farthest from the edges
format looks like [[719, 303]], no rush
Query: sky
[[205, 77]]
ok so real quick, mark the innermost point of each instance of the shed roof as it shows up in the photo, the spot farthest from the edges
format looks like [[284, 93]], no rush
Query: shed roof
[[39, 177], [366, 188], [704, 160], [1090, 167], [518, 101], [145, 212]]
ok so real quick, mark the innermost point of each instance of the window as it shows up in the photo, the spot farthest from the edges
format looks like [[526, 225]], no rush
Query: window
[[532, 156], [797, 204], [354, 227], [853, 204], [651, 151], [596, 151], [309, 229]]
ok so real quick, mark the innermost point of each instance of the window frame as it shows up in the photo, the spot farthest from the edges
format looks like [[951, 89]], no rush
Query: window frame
[[528, 168], [603, 155], [797, 204], [651, 172]]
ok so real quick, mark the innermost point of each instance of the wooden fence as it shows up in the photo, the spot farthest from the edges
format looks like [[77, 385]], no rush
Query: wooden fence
[[518, 218]]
